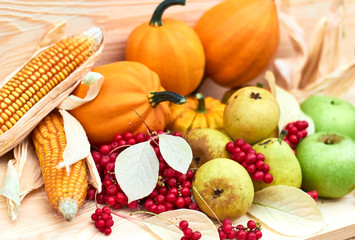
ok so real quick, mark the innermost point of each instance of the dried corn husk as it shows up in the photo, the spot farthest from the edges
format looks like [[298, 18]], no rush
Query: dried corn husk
[[24, 173], [318, 69], [25, 125]]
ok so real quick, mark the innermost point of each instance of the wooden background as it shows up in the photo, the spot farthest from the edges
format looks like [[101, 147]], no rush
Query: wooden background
[[24, 23]]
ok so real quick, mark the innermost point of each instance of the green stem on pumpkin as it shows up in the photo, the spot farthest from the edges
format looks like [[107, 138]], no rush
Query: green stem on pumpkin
[[201, 107], [158, 13], [282, 135], [157, 97]]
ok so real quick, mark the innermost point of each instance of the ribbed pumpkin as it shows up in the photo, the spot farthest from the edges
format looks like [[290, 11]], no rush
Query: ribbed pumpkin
[[127, 85], [239, 37], [169, 47], [198, 112]]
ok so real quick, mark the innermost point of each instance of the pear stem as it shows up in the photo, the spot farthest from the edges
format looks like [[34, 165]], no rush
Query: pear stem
[[282, 135]]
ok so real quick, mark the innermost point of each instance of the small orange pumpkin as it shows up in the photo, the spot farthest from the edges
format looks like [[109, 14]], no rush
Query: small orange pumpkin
[[239, 37], [126, 86], [169, 47], [198, 112]]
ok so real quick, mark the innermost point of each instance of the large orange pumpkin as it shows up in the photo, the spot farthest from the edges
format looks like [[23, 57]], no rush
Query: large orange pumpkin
[[239, 37], [127, 85], [169, 47]]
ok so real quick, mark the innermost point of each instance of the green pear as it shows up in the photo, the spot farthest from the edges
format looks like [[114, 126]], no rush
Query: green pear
[[223, 186], [331, 114], [328, 164], [251, 113], [284, 166], [207, 144]]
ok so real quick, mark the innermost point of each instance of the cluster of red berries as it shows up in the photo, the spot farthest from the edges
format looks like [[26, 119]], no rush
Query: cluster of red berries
[[103, 220], [172, 191], [296, 131], [189, 234], [239, 232], [313, 194], [252, 161]]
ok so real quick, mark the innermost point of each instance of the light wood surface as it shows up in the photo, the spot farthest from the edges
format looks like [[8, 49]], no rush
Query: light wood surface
[[24, 23]]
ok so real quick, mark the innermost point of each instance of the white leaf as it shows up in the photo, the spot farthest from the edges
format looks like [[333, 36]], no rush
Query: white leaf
[[289, 107], [287, 210], [165, 225], [176, 152], [78, 146], [137, 170]]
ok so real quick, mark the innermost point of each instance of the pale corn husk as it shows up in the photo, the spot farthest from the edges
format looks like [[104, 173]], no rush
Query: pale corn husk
[[318, 69], [24, 173], [27, 123]]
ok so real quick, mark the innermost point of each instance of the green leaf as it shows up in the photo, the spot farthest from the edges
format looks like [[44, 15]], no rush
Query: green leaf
[[176, 152], [137, 170], [287, 210], [165, 225]]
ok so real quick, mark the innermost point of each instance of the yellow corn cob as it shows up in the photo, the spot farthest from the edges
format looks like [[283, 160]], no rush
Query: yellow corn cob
[[41, 75], [65, 193]]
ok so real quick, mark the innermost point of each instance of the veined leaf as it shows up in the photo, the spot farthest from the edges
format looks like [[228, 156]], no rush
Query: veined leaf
[[165, 225], [137, 170], [287, 210], [176, 152]]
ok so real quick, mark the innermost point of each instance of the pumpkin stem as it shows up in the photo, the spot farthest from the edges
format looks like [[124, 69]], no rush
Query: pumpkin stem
[[158, 13], [282, 135], [201, 108], [157, 97]]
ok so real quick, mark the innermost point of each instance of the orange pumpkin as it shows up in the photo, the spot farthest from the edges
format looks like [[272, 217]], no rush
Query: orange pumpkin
[[169, 47], [239, 37], [126, 86], [198, 112]]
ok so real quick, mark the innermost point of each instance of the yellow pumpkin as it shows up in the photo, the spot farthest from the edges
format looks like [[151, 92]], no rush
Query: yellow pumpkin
[[126, 86], [169, 47], [197, 112], [239, 37]]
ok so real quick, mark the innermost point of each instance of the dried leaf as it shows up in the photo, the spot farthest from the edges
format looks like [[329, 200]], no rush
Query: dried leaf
[[289, 107], [287, 210], [137, 170], [165, 225], [176, 152], [54, 35]]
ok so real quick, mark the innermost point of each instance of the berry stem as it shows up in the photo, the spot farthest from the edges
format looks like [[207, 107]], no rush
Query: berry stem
[[219, 221], [149, 130], [282, 135], [126, 217]]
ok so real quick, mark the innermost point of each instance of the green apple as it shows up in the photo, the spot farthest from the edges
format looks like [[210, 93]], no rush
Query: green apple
[[328, 164], [284, 166], [207, 144], [223, 186], [251, 113], [331, 114]]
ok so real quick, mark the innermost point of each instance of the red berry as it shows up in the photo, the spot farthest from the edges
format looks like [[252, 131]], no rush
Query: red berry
[[108, 231], [259, 164], [227, 228], [304, 133], [153, 208], [163, 190], [260, 156], [196, 235], [258, 176], [148, 203], [160, 208], [96, 156], [258, 234], [105, 217], [174, 191], [110, 200], [169, 206], [109, 223], [110, 166], [229, 147], [244, 164], [90, 194], [241, 235], [120, 197], [94, 217], [100, 198], [185, 192], [139, 137], [231, 235], [251, 168], [188, 201], [131, 141], [116, 205], [293, 139], [239, 142], [153, 194], [133, 205], [192, 206], [101, 229], [106, 210], [189, 174], [250, 158], [245, 147], [299, 135], [160, 198], [187, 184], [188, 232], [184, 238], [227, 221], [180, 202], [251, 224], [98, 211], [235, 150], [105, 149], [107, 183], [104, 160], [177, 134], [293, 130], [183, 224], [100, 223], [127, 135], [251, 236], [118, 138], [169, 172], [172, 182], [182, 178], [268, 178], [222, 235], [266, 168], [112, 190], [240, 156]]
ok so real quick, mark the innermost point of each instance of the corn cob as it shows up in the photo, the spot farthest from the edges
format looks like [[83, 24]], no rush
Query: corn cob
[[41, 75], [66, 193]]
